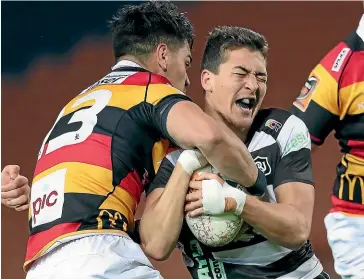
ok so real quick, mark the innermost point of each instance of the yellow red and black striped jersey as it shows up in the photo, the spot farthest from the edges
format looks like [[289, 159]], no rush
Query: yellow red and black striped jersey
[[332, 99], [104, 148]]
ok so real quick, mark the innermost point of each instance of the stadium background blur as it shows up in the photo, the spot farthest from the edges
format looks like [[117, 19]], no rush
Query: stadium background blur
[[51, 51]]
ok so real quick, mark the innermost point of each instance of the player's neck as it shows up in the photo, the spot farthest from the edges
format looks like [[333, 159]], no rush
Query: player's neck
[[135, 60], [241, 134], [149, 64]]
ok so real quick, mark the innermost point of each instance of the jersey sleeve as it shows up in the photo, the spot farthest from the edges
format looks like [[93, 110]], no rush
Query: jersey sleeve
[[164, 97], [318, 103], [165, 170], [294, 164]]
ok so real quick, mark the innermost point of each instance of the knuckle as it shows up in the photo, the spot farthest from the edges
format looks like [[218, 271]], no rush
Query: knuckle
[[18, 192]]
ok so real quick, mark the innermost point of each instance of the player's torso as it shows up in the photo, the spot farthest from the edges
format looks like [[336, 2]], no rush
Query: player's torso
[[252, 256], [96, 161], [349, 184]]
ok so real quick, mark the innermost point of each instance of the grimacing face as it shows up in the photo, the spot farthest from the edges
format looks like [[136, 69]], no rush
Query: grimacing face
[[236, 92]]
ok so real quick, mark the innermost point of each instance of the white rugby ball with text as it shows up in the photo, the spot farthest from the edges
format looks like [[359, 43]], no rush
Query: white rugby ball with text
[[214, 230]]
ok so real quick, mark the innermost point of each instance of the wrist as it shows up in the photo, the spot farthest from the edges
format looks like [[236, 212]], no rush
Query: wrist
[[191, 160], [234, 199], [180, 171], [259, 186]]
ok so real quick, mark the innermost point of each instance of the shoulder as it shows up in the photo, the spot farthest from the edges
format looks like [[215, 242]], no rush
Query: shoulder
[[270, 121], [293, 136], [333, 63], [281, 127]]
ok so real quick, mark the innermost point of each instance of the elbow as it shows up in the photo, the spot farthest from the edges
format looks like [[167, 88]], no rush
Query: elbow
[[296, 243], [210, 138], [299, 239], [156, 252]]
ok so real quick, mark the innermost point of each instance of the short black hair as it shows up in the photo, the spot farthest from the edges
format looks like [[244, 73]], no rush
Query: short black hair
[[138, 29], [223, 38]]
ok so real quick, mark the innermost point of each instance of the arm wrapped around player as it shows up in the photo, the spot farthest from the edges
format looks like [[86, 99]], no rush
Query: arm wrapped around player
[[163, 215]]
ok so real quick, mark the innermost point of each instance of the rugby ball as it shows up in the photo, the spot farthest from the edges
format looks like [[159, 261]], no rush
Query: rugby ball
[[214, 230]]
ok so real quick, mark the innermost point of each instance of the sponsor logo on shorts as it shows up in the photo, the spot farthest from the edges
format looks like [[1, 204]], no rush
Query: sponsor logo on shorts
[[262, 163], [47, 198], [340, 59]]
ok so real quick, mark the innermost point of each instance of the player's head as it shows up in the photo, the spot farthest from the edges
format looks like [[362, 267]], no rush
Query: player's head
[[156, 35], [233, 71]]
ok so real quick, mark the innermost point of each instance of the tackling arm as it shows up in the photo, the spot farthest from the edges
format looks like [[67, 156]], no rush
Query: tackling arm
[[190, 127], [163, 215]]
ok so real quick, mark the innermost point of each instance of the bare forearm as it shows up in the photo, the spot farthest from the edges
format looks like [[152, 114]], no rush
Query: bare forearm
[[222, 148], [231, 157], [162, 221], [280, 223]]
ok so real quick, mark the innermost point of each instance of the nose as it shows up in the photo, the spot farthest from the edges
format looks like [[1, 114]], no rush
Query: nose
[[251, 82]]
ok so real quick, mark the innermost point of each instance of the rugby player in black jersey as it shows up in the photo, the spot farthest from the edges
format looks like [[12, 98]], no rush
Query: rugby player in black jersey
[[275, 244]]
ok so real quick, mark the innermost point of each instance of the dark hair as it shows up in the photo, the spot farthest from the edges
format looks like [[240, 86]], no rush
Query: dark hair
[[223, 38], [138, 29]]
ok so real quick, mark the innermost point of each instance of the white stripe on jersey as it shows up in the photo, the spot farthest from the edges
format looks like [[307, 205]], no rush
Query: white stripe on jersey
[[260, 140], [261, 254], [293, 136], [173, 156], [310, 269], [360, 30], [269, 195]]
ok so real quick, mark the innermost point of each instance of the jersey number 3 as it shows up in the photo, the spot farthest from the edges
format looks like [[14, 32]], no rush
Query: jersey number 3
[[88, 118]]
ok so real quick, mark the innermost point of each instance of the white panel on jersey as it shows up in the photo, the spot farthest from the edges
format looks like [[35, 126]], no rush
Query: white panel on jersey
[[293, 136], [360, 30], [262, 254], [173, 156], [308, 270], [270, 196], [260, 140], [125, 63]]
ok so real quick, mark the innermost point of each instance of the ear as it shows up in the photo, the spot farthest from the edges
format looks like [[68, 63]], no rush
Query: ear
[[207, 80], [162, 56]]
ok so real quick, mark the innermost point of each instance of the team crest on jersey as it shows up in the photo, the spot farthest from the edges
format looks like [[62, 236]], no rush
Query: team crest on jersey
[[305, 96], [262, 163], [273, 124]]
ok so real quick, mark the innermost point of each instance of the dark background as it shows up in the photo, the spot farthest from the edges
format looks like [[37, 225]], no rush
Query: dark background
[[52, 50]]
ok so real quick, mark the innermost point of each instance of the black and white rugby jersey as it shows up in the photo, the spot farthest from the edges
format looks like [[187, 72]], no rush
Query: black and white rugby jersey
[[280, 146]]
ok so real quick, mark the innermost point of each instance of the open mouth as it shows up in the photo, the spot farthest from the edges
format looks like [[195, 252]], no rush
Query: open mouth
[[246, 103]]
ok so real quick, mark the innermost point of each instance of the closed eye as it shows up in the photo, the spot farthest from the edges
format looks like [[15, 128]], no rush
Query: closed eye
[[263, 79], [241, 74]]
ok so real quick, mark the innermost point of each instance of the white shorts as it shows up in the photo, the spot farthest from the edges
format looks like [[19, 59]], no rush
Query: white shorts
[[345, 234], [99, 256]]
